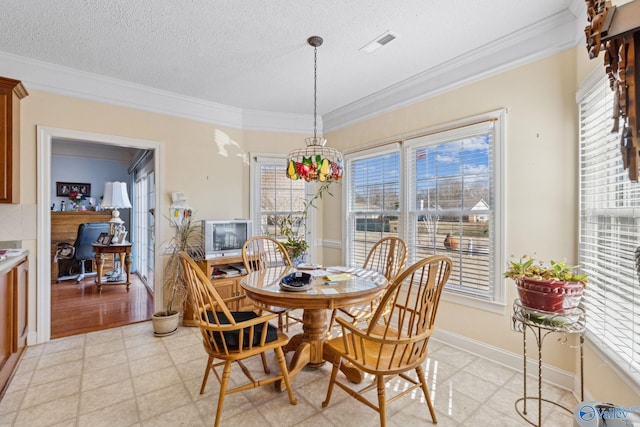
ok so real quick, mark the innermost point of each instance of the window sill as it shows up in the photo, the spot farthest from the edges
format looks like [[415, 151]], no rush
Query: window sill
[[469, 301], [613, 362]]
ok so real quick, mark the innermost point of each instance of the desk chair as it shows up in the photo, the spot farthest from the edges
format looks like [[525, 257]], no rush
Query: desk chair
[[232, 336], [262, 252], [395, 341], [387, 257], [81, 251]]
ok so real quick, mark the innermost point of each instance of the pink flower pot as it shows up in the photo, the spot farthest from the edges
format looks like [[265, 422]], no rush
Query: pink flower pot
[[548, 295]]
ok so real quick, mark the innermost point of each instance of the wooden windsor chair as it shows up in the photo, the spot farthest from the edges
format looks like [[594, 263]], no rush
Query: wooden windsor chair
[[229, 336], [259, 253], [388, 256], [394, 342]]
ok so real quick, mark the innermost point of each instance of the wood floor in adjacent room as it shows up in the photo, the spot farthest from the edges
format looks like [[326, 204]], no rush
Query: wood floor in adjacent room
[[79, 308]]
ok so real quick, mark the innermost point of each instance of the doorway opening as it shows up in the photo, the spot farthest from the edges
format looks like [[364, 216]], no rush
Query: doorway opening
[[145, 255]]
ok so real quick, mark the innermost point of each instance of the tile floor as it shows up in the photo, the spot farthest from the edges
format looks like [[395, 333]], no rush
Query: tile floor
[[127, 377]]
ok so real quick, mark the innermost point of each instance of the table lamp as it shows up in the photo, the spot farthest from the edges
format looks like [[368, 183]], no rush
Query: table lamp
[[116, 197]]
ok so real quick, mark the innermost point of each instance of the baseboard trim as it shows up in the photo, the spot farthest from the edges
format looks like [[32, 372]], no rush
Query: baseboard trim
[[32, 338]]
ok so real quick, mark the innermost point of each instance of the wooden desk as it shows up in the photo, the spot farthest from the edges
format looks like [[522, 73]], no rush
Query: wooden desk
[[264, 287], [124, 252], [64, 228]]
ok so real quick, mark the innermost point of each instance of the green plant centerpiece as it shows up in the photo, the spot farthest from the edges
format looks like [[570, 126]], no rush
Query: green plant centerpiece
[[187, 237], [290, 225], [551, 287]]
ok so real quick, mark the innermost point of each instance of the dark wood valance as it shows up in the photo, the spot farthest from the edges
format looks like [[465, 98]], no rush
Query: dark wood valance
[[616, 31]]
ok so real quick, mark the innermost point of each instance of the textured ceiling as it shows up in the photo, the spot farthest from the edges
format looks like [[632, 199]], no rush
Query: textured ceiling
[[253, 54]]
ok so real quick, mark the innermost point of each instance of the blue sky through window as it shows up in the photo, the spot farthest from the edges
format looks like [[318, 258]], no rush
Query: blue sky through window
[[453, 175]]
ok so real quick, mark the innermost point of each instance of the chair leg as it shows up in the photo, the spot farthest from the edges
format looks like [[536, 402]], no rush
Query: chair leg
[[425, 390], [285, 374], [332, 320], [332, 381], [264, 363], [223, 389], [280, 322], [382, 401], [80, 277], [206, 374]]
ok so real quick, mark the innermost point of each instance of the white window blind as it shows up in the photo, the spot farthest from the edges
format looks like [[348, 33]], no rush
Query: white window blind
[[452, 203], [427, 188], [609, 234], [373, 200], [274, 196]]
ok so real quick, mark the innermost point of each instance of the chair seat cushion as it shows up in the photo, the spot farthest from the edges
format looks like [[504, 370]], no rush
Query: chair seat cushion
[[232, 337]]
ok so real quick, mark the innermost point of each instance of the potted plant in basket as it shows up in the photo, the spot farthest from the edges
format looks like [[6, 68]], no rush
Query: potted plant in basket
[[552, 287], [188, 238]]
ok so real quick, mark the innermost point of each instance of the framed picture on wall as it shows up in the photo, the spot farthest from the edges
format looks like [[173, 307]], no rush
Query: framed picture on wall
[[63, 189]]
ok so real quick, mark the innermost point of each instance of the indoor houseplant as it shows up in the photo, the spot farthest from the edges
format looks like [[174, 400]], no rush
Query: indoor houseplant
[[295, 243], [552, 287], [187, 237]]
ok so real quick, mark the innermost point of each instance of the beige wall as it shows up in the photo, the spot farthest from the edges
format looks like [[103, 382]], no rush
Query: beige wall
[[210, 164], [541, 185]]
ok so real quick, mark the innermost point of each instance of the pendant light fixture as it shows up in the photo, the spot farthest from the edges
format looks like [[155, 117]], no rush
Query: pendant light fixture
[[315, 162]]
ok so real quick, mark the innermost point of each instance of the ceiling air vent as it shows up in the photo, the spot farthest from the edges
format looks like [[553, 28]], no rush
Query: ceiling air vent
[[385, 39], [379, 41]]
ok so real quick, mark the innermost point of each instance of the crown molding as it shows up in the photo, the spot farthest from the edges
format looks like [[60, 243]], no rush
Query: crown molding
[[66, 81], [543, 39], [279, 122]]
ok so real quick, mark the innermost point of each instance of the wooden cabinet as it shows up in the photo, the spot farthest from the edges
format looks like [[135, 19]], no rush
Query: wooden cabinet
[[11, 92], [20, 314], [14, 283], [64, 228], [228, 287]]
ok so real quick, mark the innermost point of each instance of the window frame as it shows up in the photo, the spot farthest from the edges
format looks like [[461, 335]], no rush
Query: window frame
[[347, 242], [270, 159], [496, 303], [602, 333]]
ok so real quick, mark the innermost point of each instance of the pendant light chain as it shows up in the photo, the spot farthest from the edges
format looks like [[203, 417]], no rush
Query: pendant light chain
[[315, 92]]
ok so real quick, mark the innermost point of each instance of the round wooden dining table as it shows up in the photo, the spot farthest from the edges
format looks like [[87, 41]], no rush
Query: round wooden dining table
[[360, 287]]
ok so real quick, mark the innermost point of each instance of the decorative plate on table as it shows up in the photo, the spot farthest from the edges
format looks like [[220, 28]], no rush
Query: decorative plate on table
[[296, 282]]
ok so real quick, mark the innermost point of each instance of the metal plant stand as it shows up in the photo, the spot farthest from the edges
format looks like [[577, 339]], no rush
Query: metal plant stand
[[543, 323]]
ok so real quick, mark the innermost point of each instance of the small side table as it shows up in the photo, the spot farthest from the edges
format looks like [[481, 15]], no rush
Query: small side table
[[124, 252], [542, 323]]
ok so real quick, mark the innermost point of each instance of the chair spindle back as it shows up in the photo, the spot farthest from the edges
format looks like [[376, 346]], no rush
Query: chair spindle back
[[388, 257], [262, 252]]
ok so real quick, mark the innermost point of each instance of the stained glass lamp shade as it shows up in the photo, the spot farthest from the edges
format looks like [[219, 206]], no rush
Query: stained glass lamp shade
[[315, 162]]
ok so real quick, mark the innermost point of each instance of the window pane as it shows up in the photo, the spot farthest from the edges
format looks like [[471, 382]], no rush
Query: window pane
[[374, 186], [453, 207], [609, 235], [438, 193], [279, 197]]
